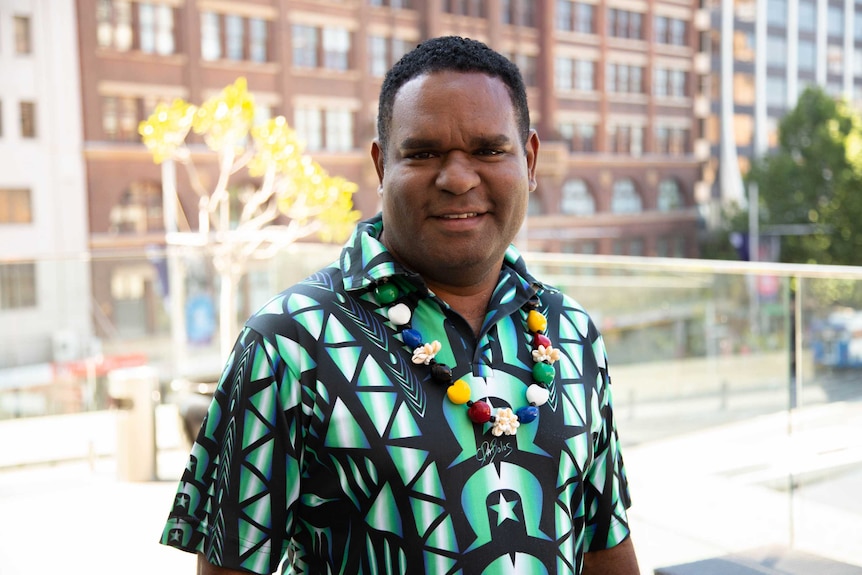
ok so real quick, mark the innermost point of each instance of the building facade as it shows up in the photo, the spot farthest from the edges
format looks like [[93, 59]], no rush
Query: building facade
[[614, 89], [764, 54], [45, 294]]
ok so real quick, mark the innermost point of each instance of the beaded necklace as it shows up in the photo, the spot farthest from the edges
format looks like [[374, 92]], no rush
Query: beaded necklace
[[503, 420]]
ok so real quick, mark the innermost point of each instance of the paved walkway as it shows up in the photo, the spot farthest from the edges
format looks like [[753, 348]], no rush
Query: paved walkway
[[727, 494]]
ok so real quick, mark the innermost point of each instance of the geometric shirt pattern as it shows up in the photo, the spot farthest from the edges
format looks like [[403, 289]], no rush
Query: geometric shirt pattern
[[326, 450]]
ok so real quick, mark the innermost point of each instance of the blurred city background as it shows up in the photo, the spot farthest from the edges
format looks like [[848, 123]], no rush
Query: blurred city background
[[698, 192]]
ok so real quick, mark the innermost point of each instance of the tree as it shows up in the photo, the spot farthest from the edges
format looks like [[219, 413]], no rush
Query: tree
[[294, 199], [813, 181]]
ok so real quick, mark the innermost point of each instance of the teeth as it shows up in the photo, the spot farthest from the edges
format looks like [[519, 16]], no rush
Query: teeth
[[460, 216]]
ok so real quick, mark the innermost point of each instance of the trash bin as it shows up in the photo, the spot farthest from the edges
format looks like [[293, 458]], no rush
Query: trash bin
[[133, 391]]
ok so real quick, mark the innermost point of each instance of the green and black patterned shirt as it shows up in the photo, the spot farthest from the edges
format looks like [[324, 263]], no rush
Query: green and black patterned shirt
[[327, 450]]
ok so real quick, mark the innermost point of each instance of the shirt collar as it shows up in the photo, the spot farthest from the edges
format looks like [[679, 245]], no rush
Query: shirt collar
[[364, 260]]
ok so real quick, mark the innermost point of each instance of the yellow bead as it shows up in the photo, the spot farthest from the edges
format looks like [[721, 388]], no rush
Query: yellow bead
[[459, 392], [536, 321]]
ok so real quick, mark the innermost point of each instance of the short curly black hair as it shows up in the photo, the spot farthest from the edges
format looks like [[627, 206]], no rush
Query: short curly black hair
[[451, 53]]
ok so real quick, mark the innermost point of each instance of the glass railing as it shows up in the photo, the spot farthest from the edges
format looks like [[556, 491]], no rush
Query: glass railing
[[737, 386]]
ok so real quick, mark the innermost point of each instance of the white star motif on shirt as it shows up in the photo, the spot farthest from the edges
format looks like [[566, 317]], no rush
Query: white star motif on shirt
[[505, 510]]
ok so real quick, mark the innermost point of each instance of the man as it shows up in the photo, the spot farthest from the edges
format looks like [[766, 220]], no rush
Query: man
[[423, 405]]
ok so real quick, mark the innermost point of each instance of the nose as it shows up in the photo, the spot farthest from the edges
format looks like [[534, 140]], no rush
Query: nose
[[457, 174]]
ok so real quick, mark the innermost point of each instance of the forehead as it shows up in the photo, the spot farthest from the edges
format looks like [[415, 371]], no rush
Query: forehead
[[439, 97]]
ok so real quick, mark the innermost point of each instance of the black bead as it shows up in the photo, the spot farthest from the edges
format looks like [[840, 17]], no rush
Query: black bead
[[441, 372]]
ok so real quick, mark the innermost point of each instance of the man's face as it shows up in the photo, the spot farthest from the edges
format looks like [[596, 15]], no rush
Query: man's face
[[455, 177]]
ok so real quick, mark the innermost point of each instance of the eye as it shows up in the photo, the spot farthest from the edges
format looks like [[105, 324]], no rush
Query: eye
[[489, 152], [419, 155]]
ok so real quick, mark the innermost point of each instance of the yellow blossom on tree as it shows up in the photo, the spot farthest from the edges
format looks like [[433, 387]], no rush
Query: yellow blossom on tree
[[225, 119], [276, 146], [166, 129]]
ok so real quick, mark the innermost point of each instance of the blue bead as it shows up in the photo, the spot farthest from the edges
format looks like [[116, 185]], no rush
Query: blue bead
[[412, 338], [527, 413]]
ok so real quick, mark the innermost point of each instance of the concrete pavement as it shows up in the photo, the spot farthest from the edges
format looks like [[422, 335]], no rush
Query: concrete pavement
[[697, 495]]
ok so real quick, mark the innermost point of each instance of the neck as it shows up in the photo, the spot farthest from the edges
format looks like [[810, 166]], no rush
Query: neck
[[470, 302]]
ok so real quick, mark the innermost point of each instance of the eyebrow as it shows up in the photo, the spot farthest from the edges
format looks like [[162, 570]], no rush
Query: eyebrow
[[495, 141]]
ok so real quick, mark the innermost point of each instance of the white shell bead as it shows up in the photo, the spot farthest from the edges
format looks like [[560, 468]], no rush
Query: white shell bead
[[399, 314], [537, 395]]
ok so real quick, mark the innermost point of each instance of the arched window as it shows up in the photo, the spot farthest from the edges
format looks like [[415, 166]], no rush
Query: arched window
[[576, 199], [626, 199], [669, 196]]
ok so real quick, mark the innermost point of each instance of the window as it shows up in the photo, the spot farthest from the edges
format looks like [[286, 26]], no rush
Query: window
[[308, 124], [304, 46], [776, 91], [857, 26], [15, 206], [623, 78], [148, 26], [23, 42], [576, 199], [28, 120], [670, 31], [234, 37], [120, 118], [807, 55], [378, 56], [743, 46], [625, 24], [625, 198], [835, 59], [670, 83], [563, 74], [565, 15], [17, 286], [257, 39], [625, 140], [585, 138], [776, 12], [807, 15], [518, 12], [336, 48], [527, 65], [669, 196], [857, 63], [473, 8], [585, 75], [585, 18], [210, 36], [776, 50], [324, 129], [339, 130], [395, 4], [139, 209], [156, 28], [670, 246], [835, 21]]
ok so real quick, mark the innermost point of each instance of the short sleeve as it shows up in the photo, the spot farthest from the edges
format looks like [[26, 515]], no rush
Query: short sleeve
[[225, 506], [606, 487]]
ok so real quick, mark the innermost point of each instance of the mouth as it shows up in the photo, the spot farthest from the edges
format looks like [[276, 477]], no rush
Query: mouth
[[463, 216]]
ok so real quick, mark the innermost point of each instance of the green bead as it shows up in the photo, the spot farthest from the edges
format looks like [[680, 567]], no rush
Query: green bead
[[543, 372], [385, 293]]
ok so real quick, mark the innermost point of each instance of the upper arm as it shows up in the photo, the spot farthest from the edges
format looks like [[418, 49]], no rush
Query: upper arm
[[207, 568], [618, 560]]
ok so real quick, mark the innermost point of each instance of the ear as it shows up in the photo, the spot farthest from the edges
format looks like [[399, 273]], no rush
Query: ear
[[377, 158], [532, 150]]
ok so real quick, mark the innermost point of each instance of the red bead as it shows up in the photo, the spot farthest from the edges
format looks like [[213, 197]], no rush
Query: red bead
[[539, 339], [479, 412]]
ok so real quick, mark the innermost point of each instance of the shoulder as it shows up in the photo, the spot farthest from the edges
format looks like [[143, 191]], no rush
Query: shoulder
[[314, 295]]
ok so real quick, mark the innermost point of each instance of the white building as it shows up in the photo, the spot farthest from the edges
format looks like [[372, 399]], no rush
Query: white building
[[45, 294]]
